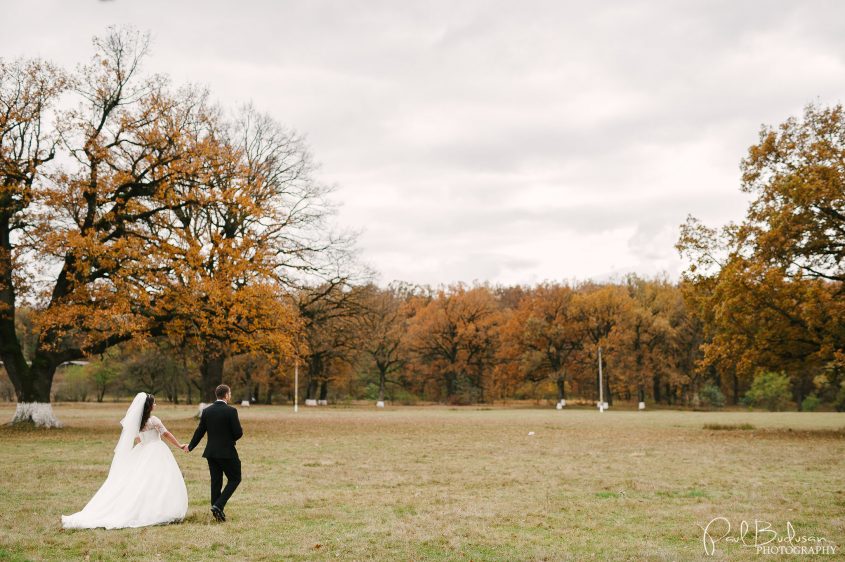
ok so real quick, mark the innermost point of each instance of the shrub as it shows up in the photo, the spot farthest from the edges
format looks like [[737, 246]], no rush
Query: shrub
[[711, 396], [810, 403], [770, 390], [74, 386], [403, 397], [370, 392], [101, 375]]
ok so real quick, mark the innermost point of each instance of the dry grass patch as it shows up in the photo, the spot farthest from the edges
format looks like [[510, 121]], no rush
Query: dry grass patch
[[433, 483], [728, 426]]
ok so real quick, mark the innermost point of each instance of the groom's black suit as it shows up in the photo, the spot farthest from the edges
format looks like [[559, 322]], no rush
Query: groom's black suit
[[221, 422]]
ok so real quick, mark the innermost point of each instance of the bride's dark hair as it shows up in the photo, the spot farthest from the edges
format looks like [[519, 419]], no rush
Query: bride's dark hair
[[148, 408]]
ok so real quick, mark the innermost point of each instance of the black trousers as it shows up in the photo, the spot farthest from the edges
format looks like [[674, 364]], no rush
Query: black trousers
[[217, 468]]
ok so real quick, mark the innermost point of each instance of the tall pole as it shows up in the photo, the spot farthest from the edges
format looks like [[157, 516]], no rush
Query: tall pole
[[601, 386], [295, 386]]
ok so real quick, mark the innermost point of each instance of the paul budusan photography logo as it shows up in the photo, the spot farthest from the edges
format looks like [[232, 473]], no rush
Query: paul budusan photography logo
[[764, 538]]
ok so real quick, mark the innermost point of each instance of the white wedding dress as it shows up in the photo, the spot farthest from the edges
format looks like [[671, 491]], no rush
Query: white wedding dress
[[144, 485]]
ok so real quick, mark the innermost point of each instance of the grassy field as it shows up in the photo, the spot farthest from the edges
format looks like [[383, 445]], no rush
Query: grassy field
[[439, 483]]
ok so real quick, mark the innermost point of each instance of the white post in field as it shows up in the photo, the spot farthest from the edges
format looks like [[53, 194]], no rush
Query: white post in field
[[601, 386], [296, 386]]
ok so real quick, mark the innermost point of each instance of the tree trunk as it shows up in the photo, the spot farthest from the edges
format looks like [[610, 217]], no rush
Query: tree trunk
[[324, 389], [561, 388], [315, 367], [382, 377], [31, 382], [32, 389], [655, 381], [803, 388], [170, 391], [736, 390], [596, 386], [186, 377], [451, 385], [211, 374]]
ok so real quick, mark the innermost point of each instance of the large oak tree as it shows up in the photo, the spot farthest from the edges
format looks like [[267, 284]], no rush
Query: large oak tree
[[74, 236], [142, 210], [771, 289]]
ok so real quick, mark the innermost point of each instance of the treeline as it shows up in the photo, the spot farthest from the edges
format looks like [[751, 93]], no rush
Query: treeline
[[172, 244], [458, 344], [474, 344]]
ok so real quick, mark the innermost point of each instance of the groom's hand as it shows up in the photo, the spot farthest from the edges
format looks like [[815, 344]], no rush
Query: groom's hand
[[185, 448]]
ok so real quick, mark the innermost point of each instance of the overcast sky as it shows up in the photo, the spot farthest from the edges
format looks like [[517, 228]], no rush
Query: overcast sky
[[512, 142]]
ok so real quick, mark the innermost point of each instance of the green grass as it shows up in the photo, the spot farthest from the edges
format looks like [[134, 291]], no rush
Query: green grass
[[432, 483]]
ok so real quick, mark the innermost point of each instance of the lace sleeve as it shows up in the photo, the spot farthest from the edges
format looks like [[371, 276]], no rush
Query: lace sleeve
[[156, 424]]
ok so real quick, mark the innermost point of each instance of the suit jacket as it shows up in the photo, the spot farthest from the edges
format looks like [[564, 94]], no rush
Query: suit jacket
[[224, 428]]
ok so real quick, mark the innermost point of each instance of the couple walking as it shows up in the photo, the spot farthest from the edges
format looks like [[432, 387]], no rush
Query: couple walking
[[145, 486]]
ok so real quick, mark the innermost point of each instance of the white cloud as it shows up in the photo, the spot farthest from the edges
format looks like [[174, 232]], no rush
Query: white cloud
[[501, 141]]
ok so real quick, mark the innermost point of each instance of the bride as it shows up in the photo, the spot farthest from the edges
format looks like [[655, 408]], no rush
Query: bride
[[144, 485]]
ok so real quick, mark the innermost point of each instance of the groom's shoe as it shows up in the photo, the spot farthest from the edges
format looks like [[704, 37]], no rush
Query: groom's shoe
[[218, 513]]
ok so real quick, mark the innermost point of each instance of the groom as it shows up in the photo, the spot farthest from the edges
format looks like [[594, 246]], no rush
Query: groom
[[221, 422]]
